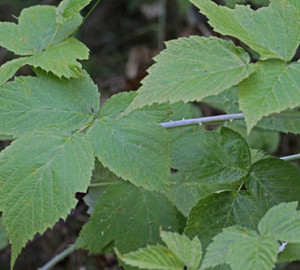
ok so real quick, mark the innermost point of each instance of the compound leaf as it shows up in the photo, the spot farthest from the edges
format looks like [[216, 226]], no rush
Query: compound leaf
[[190, 69], [272, 88], [258, 29], [241, 248], [25, 106], [37, 34], [134, 147], [39, 176], [274, 181], [129, 216]]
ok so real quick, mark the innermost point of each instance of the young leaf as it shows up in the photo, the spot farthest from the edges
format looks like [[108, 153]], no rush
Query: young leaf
[[134, 147], [69, 8], [38, 34], [191, 69], [212, 158], [258, 29], [274, 181], [221, 210], [188, 251], [153, 257], [282, 222], [129, 216], [272, 88], [25, 106], [39, 176], [241, 248]]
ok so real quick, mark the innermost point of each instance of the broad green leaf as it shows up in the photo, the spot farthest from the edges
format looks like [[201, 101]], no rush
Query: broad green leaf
[[69, 8], [257, 155], [274, 181], [152, 257], [258, 29], [290, 253], [241, 248], [3, 236], [36, 30], [134, 147], [39, 176], [212, 158], [186, 192], [129, 216], [221, 210], [272, 88], [102, 177], [59, 59], [282, 222], [191, 69], [31, 103], [38, 35], [188, 251]]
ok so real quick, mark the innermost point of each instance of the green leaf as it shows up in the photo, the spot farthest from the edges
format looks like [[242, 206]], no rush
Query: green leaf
[[241, 248], [274, 181], [232, 3], [221, 210], [64, 53], [25, 106], [212, 158], [39, 176], [3, 236], [191, 69], [290, 253], [38, 34], [129, 216], [186, 192], [152, 257], [258, 29], [274, 87], [282, 222], [69, 8], [188, 251], [101, 178], [134, 147]]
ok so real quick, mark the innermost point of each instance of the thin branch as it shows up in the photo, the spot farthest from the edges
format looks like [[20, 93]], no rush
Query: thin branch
[[291, 158], [58, 258], [204, 120]]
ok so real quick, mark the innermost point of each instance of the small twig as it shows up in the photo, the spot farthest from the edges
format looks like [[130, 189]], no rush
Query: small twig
[[291, 158], [92, 9], [58, 258], [204, 120]]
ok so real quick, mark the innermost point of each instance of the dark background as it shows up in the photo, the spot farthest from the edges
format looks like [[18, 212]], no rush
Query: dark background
[[123, 36]]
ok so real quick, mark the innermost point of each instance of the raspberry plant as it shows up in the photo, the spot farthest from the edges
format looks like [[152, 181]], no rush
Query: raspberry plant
[[234, 206]]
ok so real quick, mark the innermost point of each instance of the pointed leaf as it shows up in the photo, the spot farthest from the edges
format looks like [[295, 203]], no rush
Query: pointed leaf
[[282, 222], [258, 29], [25, 106], [274, 87], [212, 158], [129, 216], [134, 147], [190, 69], [274, 181], [39, 176], [241, 248], [68, 8], [221, 210], [153, 257], [188, 251]]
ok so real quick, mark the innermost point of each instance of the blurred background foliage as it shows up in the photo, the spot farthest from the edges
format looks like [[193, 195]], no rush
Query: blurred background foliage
[[123, 36]]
